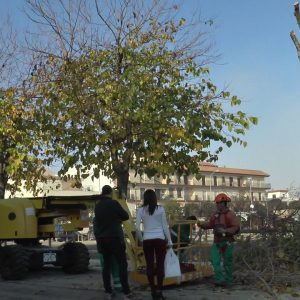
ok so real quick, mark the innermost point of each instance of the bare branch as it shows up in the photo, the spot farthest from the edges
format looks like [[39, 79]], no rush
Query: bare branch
[[9, 55], [106, 21], [62, 28], [292, 33], [296, 42], [297, 13]]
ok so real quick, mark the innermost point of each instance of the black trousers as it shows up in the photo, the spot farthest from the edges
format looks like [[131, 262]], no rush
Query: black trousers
[[155, 251], [113, 249]]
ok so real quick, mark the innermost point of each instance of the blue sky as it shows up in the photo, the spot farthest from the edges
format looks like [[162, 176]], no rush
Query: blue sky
[[258, 63]]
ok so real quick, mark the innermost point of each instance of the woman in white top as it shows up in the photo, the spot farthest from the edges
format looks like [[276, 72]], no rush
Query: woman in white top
[[155, 234]]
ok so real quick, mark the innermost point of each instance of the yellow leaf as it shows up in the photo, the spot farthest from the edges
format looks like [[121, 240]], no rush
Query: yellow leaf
[[280, 253], [9, 93]]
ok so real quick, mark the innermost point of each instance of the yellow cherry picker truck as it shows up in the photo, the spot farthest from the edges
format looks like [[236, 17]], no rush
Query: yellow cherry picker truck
[[25, 222]]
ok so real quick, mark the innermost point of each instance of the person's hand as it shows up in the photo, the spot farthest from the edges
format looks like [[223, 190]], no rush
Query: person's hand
[[220, 230], [199, 224], [169, 246]]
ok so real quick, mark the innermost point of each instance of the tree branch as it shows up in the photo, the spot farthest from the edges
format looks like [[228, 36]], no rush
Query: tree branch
[[297, 13], [296, 42], [292, 34]]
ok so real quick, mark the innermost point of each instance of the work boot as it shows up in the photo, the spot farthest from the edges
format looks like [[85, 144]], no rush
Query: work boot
[[229, 285], [154, 295], [128, 296], [160, 295], [220, 284], [110, 296]]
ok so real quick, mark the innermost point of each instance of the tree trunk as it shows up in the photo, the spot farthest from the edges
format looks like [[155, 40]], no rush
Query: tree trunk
[[3, 183], [122, 182]]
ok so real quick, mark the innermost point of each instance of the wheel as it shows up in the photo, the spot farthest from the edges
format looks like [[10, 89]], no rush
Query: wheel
[[35, 261], [14, 262], [76, 258]]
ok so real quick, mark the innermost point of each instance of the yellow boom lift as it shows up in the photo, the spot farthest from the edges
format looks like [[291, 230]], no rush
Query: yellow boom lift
[[24, 222]]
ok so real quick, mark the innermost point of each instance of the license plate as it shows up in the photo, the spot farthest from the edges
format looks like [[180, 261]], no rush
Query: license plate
[[49, 257]]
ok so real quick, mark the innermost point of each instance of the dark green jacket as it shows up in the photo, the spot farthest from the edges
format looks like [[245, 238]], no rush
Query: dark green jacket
[[184, 234]]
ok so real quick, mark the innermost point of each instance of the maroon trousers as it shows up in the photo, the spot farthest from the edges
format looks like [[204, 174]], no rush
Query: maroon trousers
[[155, 251]]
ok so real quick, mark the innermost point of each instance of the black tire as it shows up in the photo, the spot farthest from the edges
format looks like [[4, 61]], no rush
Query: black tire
[[14, 262], [35, 261], [77, 258]]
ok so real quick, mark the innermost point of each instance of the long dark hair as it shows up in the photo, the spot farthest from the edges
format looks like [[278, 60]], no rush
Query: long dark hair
[[150, 200]]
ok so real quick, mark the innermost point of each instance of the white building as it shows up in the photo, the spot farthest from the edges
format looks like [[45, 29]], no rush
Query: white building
[[56, 186], [238, 183], [91, 183], [52, 184], [277, 194], [283, 194]]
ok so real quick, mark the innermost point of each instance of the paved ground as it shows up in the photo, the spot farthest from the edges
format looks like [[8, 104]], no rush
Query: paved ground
[[52, 284]]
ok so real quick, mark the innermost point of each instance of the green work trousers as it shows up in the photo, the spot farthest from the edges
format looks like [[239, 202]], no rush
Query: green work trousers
[[114, 273], [222, 251]]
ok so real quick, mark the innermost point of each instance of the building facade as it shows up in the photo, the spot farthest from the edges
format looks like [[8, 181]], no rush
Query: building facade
[[278, 194], [238, 183], [284, 195], [52, 183]]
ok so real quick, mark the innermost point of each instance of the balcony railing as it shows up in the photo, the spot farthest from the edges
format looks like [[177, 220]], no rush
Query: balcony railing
[[193, 182]]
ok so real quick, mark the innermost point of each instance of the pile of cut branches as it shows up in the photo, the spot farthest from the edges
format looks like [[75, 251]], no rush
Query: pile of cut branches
[[270, 259]]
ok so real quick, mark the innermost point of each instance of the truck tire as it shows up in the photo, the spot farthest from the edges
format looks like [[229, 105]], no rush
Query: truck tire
[[14, 262], [35, 261], [76, 258]]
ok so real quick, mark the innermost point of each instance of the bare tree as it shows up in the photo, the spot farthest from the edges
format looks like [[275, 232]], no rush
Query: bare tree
[[67, 28], [294, 192], [62, 27], [8, 54]]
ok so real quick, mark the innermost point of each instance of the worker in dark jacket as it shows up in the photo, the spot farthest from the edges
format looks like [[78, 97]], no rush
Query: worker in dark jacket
[[109, 216], [114, 268], [225, 225]]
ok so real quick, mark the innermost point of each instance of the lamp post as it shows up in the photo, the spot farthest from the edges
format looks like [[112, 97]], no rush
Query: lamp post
[[251, 201], [267, 207], [210, 180]]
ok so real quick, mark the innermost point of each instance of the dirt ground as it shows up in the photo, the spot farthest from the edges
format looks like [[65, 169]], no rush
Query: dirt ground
[[52, 283]]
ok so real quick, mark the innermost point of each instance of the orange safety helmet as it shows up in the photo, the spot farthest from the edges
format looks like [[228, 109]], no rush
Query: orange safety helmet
[[222, 198]]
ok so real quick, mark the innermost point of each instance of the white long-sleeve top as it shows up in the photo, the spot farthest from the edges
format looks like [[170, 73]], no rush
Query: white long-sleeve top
[[155, 225]]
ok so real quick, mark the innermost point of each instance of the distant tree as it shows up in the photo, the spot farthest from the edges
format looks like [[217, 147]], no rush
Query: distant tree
[[130, 93], [294, 192], [21, 162], [292, 34], [207, 208], [173, 210], [191, 209]]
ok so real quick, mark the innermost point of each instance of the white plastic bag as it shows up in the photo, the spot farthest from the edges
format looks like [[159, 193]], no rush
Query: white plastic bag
[[172, 266]]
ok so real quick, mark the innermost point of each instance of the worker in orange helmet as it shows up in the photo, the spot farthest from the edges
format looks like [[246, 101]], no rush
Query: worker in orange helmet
[[225, 224]]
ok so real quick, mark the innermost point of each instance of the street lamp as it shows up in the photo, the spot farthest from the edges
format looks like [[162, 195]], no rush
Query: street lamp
[[210, 180], [251, 201], [250, 191], [267, 207]]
